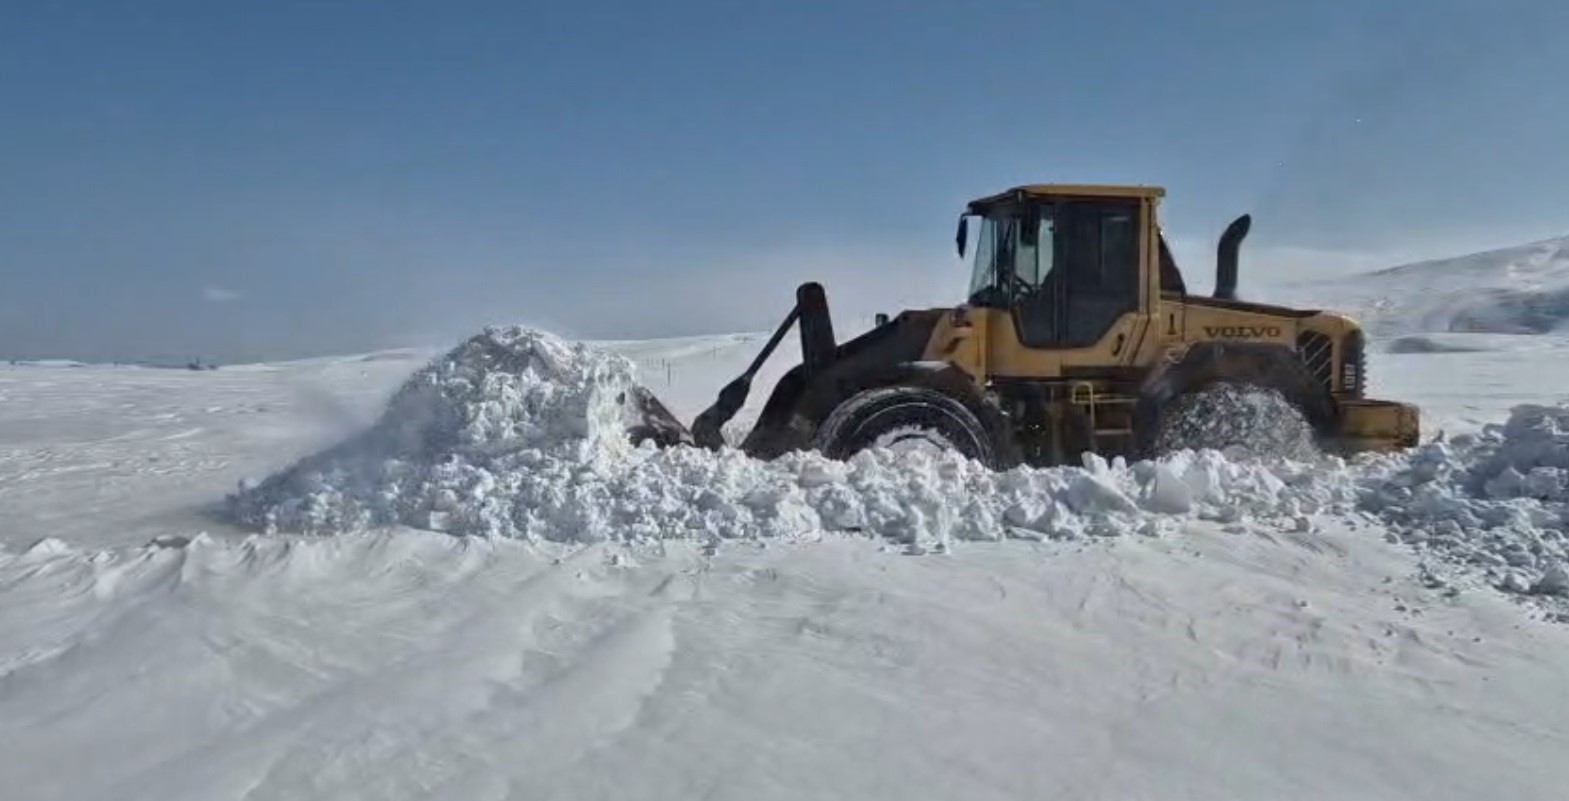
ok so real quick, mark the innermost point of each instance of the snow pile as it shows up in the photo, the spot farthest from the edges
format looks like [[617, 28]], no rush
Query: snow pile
[[1497, 501], [508, 405]]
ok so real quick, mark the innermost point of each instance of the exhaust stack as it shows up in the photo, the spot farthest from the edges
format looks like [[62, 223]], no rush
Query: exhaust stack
[[1226, 257]]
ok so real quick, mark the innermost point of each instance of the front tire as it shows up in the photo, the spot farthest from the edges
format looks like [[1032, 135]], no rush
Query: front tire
[[904, 418]]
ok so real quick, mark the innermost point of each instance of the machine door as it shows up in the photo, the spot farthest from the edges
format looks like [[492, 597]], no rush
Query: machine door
[[1085, 277]]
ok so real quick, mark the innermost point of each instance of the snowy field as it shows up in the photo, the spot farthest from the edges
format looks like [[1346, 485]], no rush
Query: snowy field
[[1197, 629]]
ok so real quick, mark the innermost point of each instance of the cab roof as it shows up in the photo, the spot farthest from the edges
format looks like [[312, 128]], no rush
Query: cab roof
[[1069, 190]]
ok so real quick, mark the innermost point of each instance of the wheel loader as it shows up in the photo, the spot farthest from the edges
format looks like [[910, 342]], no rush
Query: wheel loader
[[1078, 335]]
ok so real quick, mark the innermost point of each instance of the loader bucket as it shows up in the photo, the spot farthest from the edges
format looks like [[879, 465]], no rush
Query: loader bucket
[[647, 419]]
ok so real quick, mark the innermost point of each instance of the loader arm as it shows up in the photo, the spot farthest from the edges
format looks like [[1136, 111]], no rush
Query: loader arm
[[817, 348]]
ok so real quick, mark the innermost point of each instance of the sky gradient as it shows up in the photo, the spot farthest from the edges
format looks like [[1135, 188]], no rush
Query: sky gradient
[[249, 181]]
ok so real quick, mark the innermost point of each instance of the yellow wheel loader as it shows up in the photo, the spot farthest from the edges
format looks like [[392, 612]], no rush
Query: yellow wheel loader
[[1078, 334]]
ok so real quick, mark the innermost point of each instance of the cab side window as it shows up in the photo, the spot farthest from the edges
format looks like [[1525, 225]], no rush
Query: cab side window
[[1094, 278]]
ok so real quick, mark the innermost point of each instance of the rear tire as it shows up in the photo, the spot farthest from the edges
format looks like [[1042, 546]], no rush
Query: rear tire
[[1238, 419], [1272, 368], [904, 417]]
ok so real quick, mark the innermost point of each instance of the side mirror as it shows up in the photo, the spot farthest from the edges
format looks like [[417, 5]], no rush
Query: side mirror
[[961, 238]]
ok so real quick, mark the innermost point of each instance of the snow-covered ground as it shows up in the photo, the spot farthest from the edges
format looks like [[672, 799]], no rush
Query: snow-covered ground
[[150, 649], [408, 665]]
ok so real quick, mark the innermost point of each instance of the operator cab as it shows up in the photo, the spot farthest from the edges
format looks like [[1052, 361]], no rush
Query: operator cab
[[1064, 260]]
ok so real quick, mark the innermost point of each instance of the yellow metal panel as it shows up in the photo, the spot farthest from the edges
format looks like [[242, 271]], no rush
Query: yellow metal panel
[[959, 338], [1009, 358], [1149, 287], [1379, 425]]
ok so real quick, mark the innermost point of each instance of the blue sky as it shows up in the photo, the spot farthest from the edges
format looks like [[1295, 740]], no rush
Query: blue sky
[[264, 180]]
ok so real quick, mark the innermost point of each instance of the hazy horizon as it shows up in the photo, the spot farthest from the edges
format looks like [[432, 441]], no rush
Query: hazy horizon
[[269, 182]]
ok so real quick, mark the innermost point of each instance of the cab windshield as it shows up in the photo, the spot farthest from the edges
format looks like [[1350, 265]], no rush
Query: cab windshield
[[1006, 266]]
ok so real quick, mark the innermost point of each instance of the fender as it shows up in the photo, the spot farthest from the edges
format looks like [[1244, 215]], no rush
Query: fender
[[806, 393]]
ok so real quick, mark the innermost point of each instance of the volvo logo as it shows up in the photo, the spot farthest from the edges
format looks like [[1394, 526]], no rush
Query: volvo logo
[[1242, 331]]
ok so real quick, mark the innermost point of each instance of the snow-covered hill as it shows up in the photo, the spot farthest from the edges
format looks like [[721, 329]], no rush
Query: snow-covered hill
[[1521, 290]]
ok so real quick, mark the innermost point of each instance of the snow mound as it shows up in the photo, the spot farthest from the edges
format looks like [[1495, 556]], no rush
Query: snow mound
[[506, 406], [1496, 501]]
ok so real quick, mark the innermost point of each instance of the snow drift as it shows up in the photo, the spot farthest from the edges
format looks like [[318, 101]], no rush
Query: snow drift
[[516, 433]]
